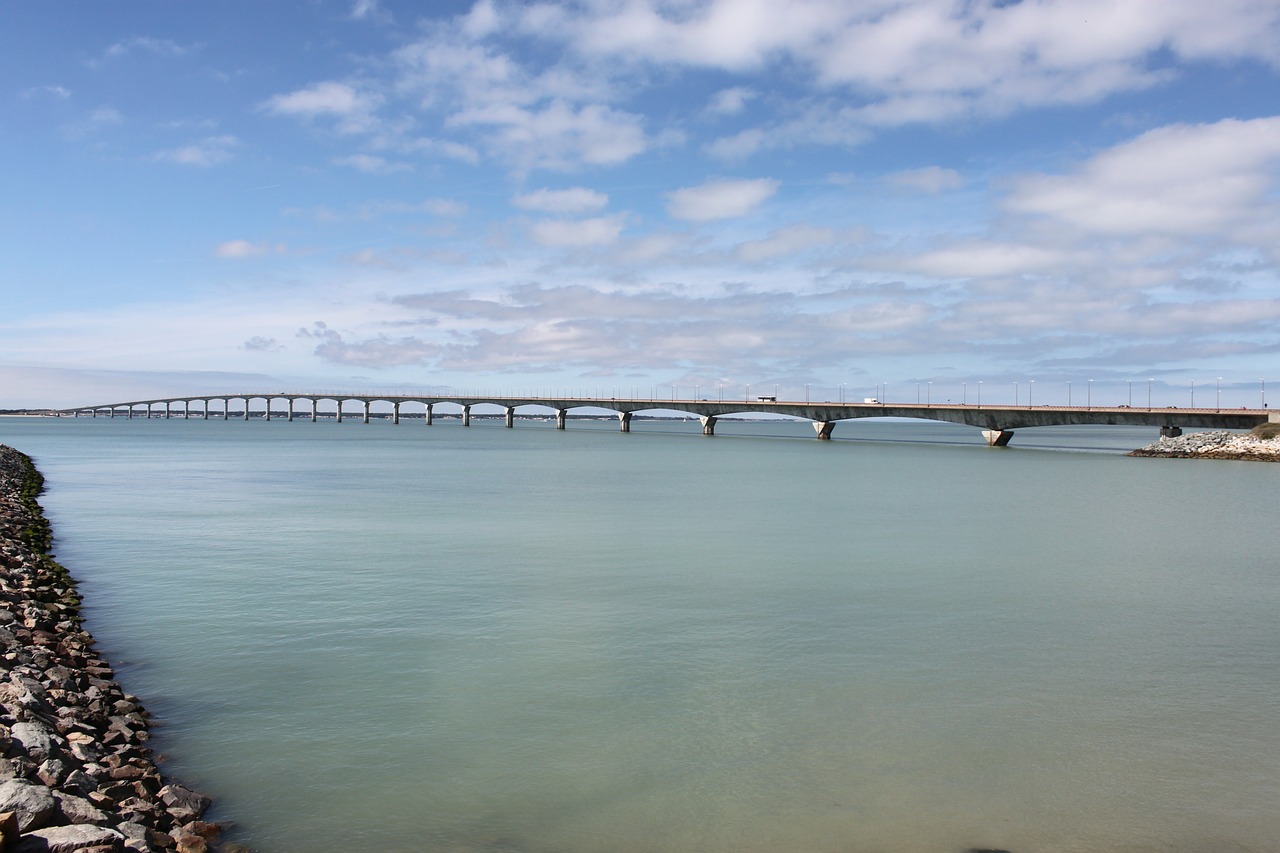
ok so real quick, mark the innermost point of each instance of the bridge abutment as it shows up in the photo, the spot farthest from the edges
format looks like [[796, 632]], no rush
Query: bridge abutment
[[1170, 431], [997, 437]]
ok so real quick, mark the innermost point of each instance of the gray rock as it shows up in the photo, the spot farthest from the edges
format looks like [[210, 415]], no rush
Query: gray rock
[[68, 839], [34, 738], [79, 810], [34, 804]]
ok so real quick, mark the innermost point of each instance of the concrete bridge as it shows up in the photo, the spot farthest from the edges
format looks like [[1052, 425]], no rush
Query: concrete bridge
[[996, 422]]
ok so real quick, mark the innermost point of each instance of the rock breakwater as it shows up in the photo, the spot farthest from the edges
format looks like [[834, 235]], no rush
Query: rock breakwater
[[1219, 444], [76, 774]]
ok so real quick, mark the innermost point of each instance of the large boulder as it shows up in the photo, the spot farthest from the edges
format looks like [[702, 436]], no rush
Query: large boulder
[[68, 839], [33, 804]]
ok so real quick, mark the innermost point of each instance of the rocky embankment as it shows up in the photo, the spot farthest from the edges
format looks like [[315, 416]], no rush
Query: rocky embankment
[[76, 772], [1261, 445]]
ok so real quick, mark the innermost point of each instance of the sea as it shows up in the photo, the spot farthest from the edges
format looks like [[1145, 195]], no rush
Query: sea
[[378, 637]]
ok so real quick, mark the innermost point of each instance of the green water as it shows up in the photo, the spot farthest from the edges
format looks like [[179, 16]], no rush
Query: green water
[[381, 638]]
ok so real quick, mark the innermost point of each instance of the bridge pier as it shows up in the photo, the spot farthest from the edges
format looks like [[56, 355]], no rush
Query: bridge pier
[[428, 413], [186, 410], [315, 404], [997, 437], [395, 412], [823, 429], [246, 408], [289, 416], [708, 424], [268, 402], [206, 408], [339, 411], [226, 408], [624, 418], [1170, 431], [560, 418], [366, 411], [511, 416], [466, 416]]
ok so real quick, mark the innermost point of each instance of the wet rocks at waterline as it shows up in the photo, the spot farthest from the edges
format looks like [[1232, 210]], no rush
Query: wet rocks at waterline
[[76, 774]]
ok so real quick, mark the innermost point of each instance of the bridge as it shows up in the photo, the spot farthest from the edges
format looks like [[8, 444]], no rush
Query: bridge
[[996, 422]]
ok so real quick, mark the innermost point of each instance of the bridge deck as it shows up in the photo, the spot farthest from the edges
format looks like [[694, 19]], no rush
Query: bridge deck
[[998, 421]]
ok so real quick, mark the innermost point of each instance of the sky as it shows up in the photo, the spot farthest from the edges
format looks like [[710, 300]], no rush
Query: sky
[[833, 198]]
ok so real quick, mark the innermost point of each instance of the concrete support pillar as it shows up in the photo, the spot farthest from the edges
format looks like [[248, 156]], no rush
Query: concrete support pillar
[[113, 412], [511, 416], [625, 419], [823, 429], [1170, 431], [268, 414], [206, 409], [167, 409], [246, 408], [289, 402], [466, 416], [339, 411], [186, 410], [130, 415], [997, 437], [428, 414], [315, 404], [148, 411], [395, 412], [366, 411], [560, 417], [226, 408], [708, 424]]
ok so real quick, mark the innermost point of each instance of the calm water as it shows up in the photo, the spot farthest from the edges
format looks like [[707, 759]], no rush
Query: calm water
[[398, 638]]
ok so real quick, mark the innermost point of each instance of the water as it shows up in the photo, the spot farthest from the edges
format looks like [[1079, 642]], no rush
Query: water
[[384, 638]]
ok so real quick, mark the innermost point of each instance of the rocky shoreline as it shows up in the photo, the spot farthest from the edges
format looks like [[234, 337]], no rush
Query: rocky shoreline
[[76, 774], [1220, 444]]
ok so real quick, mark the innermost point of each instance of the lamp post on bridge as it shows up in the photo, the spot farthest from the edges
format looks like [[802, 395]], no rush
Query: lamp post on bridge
[[1068, 393], [1130, 381], [1088, 401], [1264, 392], [1149, 381], [1015, 392], [1031, 385], [1217, 400], [979, 393], [964, 393], [1193, 393], [928, 395]]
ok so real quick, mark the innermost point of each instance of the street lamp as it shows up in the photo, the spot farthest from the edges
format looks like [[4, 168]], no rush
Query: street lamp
[[1068, 393], [806, 392], [1088, 401], [1149, 381], [928, 395], [1130, 381], [964, 393], [1264, 392], [1015, 392], [1217, 400], [1193, 393], [1031, 385], [979, 393]]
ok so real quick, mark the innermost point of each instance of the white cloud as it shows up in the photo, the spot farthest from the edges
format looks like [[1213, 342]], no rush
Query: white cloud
[[724, 199], [730, 101], [60, 92], [241, 249], [785, 241], [560, 136], [332, 99], [158, 47], [372, 165], [930, 180], [209, 151], [1188, 180], [573, 200], [577, 233]]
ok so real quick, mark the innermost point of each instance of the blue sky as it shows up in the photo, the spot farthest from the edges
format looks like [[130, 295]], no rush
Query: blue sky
[[618, 196]]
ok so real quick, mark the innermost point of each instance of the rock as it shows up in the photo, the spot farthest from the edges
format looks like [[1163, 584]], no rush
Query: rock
[[184, 804], [34, 738], [79, 810], [33, 804], [68, 839]]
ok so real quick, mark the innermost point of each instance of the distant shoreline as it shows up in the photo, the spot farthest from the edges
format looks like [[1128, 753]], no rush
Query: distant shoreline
[[1219, 444]]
